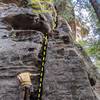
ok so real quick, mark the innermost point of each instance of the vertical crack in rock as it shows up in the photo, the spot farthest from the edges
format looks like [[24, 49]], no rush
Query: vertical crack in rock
[[66, 76], [20, 46]]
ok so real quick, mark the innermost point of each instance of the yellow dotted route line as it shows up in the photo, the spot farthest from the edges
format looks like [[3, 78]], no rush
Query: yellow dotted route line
[[42, 65], [40, 6]]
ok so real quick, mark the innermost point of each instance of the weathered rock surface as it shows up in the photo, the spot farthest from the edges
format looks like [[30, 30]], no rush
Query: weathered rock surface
[[17, 2], [66, 73], [19, 51]]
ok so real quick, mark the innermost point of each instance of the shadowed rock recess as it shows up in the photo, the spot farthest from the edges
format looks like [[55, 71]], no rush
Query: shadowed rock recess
[[67, 70]]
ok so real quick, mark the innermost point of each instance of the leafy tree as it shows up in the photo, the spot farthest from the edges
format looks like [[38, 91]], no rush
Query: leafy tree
[[86, 14]]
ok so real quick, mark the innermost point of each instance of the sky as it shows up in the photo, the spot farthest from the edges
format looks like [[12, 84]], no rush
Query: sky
[[98, 1]]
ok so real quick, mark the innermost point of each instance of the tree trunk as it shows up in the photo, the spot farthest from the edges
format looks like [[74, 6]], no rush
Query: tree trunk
[[96, 6]]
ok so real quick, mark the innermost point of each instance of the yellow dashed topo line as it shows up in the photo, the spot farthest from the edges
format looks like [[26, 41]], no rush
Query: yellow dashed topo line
[[42, 65]]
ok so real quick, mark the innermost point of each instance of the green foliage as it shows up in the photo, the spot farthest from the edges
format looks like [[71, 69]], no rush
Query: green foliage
[[98, 63], [93, 50], [65, 9], [98, 24], [82, 42]]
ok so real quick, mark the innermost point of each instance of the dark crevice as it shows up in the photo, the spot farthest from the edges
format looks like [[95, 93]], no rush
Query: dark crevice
[[66, 39], [4, 37], [30, 49], [28, 22]]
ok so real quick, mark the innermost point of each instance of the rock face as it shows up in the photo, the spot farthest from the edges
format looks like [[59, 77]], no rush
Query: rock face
[[19, 51], [17, 2], [66, 70], [66, 75], [66, 10]]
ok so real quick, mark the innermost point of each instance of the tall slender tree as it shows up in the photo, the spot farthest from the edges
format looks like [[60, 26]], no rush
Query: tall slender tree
[[96, 6]]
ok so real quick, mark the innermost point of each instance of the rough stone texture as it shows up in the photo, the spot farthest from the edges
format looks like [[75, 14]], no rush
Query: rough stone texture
[[66, 74], [17, 2], [66, 10], [16, 57], [19, 51]]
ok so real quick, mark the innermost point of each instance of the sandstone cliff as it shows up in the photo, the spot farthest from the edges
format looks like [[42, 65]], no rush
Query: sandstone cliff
[[67, 71]]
